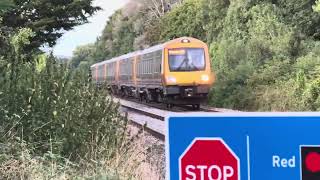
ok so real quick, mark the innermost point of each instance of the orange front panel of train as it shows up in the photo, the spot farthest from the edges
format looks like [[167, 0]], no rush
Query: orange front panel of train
[[187, 64]]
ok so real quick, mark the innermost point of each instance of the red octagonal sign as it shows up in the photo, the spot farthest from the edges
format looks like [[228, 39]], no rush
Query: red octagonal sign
[[209, 159]]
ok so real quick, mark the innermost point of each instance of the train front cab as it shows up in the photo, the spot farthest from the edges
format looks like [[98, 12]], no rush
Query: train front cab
[[187, 72]]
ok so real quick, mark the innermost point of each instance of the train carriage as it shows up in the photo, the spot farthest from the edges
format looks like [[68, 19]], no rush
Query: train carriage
[[126, 81], [148, 77], [98, 73], [175, 72]]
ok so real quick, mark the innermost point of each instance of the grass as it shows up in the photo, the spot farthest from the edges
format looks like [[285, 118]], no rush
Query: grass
[[136, 161]]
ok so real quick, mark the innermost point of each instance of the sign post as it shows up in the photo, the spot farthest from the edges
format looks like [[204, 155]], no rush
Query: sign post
[[243, 146]]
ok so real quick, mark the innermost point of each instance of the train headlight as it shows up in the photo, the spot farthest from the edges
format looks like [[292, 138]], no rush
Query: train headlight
[[205, 77], [171, 79], [185, 41]]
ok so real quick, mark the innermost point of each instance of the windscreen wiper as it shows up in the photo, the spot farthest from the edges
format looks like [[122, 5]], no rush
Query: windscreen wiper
[[195, 67], [185, 61]]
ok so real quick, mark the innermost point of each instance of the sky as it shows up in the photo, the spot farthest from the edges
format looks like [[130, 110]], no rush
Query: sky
[[89, 32]]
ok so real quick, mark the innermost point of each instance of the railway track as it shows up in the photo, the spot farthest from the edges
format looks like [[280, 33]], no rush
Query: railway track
[[176, 108], [152, 116], [153, 126]]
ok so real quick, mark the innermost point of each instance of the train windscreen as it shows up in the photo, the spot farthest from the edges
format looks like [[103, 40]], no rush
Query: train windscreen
[[186, 59]]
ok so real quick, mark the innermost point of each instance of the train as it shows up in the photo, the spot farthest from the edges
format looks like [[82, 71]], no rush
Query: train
[[175, 72]]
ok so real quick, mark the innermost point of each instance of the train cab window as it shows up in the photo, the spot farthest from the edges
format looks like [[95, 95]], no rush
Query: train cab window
[[186, 59]]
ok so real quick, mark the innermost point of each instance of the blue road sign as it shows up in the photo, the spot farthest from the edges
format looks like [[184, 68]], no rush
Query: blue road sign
[[270, 146]]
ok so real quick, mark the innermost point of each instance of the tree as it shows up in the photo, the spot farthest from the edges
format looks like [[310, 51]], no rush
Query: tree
[[214, 13], [47, 18], [4, 5], [82, 54], [300, 14], [184, 20], [155, 8]]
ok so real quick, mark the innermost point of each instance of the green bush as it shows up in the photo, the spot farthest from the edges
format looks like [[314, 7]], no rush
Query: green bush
[[231, 91], [53, 108], [59, 109], [262, 63]]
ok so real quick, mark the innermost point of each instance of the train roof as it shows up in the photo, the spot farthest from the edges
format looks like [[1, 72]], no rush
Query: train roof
[[145, 51]]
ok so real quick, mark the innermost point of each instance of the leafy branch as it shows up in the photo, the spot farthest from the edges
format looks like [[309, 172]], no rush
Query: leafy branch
[[316, 7]]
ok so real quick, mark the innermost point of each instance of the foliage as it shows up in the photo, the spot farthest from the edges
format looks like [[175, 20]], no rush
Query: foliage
[[117, 39], [56, 124], [21, 40], [41, 62], [48, 19], [273, 52], [300, 14], [56, 105], [213, 13], [316, 7], [184, 20], [82, 54]]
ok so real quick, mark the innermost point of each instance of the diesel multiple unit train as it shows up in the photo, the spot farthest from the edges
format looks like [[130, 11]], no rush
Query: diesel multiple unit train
[[175, 72]]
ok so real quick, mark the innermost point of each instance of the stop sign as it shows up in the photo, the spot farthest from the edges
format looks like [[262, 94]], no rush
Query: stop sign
[[209, 159]]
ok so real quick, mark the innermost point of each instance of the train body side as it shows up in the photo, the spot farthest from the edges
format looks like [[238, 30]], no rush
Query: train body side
[[148, 69]]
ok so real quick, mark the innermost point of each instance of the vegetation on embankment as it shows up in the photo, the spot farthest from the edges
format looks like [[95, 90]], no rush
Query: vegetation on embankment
[[266, 54], [54, 123]]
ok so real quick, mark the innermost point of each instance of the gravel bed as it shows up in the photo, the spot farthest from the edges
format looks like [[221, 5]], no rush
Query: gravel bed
[[154, 155]]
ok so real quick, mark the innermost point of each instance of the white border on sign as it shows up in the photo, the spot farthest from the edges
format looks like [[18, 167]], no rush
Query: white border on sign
[[244, 114], [167, 144], [301, 157], [228, 114], [209, 139]]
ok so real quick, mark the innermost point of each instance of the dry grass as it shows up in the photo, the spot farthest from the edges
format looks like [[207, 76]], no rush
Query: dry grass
[[151, 155], [141, 160]]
